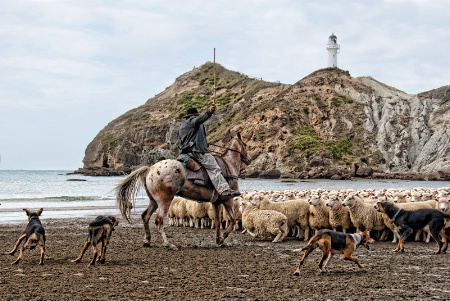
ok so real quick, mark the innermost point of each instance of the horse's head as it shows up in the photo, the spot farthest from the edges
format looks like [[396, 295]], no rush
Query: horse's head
[[236, 144]]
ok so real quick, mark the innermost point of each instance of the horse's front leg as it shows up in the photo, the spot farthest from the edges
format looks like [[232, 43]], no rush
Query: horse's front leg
[[146, 221], [229, 207]]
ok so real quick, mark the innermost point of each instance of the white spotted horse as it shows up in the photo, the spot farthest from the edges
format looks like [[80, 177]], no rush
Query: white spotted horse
[[168, 178]]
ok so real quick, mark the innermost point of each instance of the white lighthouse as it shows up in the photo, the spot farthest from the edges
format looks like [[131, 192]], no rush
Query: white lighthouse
[[333, 49]]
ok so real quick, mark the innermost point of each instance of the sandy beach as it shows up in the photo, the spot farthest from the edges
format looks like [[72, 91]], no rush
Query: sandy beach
[[244, 269]]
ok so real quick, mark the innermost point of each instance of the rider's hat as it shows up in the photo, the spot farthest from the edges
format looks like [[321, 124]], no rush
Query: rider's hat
[[191, 112]]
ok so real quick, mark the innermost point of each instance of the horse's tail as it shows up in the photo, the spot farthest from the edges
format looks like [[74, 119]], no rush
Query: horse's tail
[[127, 188]]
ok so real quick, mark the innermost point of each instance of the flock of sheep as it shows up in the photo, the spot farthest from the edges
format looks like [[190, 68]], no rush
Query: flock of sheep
[[300, 213]]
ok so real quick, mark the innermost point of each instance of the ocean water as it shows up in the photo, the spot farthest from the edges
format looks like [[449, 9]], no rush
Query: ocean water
[[62, 194]]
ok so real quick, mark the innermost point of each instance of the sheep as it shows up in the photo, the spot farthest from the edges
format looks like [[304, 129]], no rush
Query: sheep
[[402, 197], [296, 211], [209, 220], [319, 217], [177, 212], [443, 193], [444, 204], [237, 214], [418, 196], [265, 223], [339, 216], [197, 213], [364, 216]]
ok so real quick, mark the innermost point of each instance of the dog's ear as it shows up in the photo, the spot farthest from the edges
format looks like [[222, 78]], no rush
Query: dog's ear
[[27, 211], [114, 221], [39, 212]]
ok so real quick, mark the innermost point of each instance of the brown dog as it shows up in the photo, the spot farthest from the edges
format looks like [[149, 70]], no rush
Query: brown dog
[[34, 235], [331, 242], [100, 231]]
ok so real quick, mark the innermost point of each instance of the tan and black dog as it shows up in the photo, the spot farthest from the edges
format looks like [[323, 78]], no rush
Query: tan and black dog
[[100, 231], [34, 235], [409, 221], [332, 242]]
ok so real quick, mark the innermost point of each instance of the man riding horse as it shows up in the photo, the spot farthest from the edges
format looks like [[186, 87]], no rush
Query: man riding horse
[[193, 140], [167, 178]]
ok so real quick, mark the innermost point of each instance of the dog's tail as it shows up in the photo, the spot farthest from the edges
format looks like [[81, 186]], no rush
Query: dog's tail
[[35, 241], [312, 243], [91, 236]]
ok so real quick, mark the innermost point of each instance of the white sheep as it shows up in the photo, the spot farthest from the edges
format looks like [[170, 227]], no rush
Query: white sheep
[[177, 212], [444, 204], [197, 213], [237, 214], [266, 223], [296, 211], [364, 216], [402, 197], [319, 215], [339, 216]]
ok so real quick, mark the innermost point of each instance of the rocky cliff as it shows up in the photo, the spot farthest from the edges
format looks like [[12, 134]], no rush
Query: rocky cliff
[[327, 125]]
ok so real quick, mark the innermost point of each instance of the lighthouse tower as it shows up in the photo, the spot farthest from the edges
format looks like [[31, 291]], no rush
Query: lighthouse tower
[[333, 49]]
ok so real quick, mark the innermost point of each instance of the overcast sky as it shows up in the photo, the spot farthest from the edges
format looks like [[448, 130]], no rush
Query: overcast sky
[[67, 68]]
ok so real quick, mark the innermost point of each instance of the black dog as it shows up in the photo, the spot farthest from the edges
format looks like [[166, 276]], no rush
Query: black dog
[[100, 231], [413, 220], [34, 235]]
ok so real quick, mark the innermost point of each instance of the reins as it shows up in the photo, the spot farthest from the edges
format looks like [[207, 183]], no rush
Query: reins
[[227, 148]]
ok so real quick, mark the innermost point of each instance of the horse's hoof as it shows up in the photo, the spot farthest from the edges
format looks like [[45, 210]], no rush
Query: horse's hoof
[[146, 245], [172, 247], [296, 273]]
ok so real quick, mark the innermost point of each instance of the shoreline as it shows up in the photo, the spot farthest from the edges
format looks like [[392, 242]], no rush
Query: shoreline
[[17, 216]]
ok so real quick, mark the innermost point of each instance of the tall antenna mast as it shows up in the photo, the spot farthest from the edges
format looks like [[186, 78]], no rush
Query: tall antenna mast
[[214, 100]]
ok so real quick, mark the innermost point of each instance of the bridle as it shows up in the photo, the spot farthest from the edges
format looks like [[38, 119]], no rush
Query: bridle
[[233, 150]]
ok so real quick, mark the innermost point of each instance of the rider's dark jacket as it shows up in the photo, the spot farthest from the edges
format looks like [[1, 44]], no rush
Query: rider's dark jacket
[[193, 134]]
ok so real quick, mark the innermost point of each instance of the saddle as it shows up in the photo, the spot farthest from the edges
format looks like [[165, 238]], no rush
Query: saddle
[[196, 173]]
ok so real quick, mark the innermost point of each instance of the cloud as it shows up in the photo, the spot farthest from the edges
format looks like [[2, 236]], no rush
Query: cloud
[[67, 68]]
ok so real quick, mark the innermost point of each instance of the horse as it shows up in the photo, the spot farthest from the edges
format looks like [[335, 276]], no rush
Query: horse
[[168, 178]]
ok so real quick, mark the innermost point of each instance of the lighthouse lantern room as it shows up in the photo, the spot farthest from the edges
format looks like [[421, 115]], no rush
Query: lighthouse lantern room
[[333, 49]]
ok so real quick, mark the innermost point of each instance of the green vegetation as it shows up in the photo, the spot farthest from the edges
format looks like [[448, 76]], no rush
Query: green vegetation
[[309, 142], [225, 99], [189, 100], [264, 132], [110, 141], [339, 99], [339, 148]]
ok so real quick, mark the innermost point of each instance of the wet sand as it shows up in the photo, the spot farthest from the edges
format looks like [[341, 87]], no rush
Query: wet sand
[[244, 269]]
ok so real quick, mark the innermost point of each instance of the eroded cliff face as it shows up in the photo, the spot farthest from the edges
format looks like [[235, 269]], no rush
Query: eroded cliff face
[[322, 126]]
